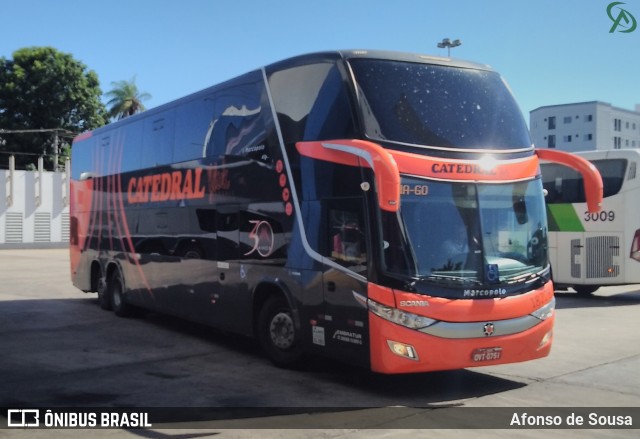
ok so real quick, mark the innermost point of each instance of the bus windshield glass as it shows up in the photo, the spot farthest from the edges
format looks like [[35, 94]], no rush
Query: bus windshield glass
[[466, 233], [438, 106]]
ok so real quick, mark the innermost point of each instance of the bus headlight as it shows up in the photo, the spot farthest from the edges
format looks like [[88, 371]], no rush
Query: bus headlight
[[403, 350], [395, 315], [546, 311]]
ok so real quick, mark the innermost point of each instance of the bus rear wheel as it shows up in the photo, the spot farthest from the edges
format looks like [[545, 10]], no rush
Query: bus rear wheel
[[104, 297], [277, 333], [116, 290]]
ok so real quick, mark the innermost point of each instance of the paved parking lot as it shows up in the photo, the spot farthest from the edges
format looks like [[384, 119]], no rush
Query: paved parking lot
[[59, 349]]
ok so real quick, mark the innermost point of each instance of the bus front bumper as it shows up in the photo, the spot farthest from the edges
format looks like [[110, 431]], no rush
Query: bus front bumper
[[397, 349]]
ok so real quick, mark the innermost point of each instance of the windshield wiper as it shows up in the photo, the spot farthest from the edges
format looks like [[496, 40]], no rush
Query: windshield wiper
[[527, 277], [448, 279]]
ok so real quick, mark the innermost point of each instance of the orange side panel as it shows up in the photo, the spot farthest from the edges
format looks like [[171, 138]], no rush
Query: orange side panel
[[487, 169], [381, 295], [80, 199]]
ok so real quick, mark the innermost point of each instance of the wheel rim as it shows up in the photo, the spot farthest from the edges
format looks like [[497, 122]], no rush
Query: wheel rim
[[116, 294], [102, 286], [281, 331]]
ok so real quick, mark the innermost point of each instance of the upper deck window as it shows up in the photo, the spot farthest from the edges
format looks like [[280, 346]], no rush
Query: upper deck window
[[565, 185], [432, 105], [312, 103]]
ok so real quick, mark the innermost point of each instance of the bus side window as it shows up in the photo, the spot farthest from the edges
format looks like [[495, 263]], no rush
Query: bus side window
[[312, 103], [131, 137], [238, 127], [83, 159], [330, 115], [158, 139], [192, 123]]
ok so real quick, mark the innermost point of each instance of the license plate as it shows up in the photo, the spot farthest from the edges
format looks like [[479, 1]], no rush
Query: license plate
[[486, 354]]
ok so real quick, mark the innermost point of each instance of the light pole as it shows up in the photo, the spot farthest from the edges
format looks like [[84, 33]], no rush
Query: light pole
[[446, 42]]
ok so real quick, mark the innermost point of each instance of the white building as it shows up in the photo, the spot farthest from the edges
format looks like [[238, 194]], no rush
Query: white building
[[34, 209], [585, 126]]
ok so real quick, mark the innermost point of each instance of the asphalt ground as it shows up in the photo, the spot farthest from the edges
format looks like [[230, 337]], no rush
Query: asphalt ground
[[58, 349]]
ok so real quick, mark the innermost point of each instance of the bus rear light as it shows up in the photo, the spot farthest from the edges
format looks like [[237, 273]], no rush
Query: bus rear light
[[635, 246], [403, 350]]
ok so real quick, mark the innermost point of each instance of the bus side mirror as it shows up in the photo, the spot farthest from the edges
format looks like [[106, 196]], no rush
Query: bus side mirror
[[520, 210], [351, 152], [593, 187]]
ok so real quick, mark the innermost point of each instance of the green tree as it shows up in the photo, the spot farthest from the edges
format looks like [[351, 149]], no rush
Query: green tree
[[42, 88], [125, 99]]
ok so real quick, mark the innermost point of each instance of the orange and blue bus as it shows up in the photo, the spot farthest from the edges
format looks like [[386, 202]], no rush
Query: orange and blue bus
[[384, 209]]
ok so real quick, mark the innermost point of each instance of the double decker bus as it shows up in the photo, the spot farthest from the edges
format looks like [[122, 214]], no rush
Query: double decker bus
[[588, 250], [384, 209]]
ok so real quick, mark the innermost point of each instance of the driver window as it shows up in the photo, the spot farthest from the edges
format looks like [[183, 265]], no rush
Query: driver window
[[347, 236]]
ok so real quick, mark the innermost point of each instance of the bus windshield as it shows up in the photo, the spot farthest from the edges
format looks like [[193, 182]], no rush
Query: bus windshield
[[438, 106], [453, 233]]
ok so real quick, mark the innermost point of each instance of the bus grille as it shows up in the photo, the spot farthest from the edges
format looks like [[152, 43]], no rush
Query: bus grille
[[601, 251]]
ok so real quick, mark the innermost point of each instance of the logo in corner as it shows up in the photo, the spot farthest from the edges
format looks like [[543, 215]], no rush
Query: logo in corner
[[624, 19]]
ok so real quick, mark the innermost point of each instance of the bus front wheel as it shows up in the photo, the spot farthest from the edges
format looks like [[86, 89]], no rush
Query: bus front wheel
[[585, 290], [277, 333]]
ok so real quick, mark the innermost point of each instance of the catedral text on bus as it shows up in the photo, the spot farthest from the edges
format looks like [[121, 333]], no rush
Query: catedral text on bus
[[384, 209]]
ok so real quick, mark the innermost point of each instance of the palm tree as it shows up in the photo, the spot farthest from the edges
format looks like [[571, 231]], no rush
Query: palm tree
[[125, 99]]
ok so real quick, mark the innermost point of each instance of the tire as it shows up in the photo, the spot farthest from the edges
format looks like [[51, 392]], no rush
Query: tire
[[104, 295], [585, 290], [116, 291], [277, 333]]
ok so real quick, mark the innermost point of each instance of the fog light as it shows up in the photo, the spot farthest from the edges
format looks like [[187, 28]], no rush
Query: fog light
[[403, 350], [546, 339]]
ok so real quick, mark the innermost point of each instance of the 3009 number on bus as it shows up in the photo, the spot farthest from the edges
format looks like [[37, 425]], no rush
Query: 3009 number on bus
[[602, 216]]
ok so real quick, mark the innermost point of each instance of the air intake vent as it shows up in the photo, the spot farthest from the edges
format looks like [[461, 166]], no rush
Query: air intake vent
[[65, 227], [42, 230], [13, 227]]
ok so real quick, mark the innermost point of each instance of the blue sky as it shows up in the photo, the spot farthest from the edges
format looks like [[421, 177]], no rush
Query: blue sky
[[549, 51]]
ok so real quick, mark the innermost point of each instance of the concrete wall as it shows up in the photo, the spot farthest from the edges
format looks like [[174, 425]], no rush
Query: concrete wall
[[34, 209]]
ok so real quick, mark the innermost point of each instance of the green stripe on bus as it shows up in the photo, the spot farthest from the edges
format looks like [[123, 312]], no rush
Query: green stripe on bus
[[563, 218]]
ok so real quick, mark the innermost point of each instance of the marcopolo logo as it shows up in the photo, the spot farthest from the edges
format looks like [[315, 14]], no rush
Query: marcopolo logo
[[623, 21]]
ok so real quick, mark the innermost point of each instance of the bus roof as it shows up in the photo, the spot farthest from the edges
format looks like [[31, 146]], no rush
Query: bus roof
[[291, 62], [632, 154], [376, 54]]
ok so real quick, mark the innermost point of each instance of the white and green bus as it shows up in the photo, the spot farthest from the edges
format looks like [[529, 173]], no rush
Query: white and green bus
[[589, 250]]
